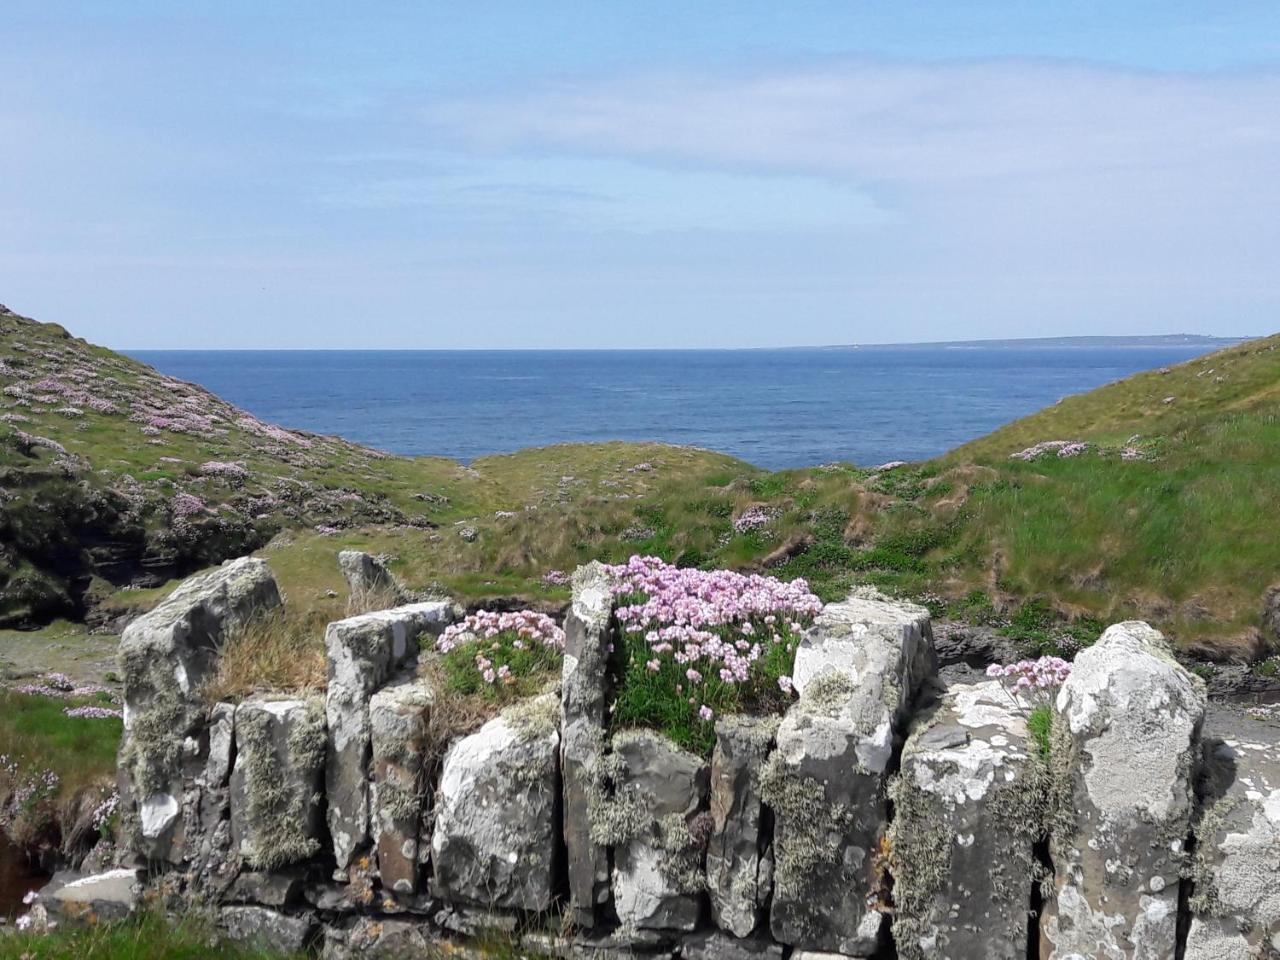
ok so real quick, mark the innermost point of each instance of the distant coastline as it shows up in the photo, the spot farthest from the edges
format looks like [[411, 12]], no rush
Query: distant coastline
[[1053, 343]]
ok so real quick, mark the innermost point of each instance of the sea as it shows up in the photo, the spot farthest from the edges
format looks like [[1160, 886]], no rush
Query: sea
[[773, 408]]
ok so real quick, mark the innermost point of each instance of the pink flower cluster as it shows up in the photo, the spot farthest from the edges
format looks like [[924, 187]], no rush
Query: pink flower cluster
[[555, 578], [526, 628], [186, 505], [752, 518], [221, 468], [93, 713], [1033, 680], [1063, 448], [61, 687], [104, 811]]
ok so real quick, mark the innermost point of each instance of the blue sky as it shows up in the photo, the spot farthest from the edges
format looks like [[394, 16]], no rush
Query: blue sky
[[612, 174]]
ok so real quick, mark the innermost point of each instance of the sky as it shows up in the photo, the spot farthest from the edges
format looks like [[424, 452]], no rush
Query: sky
[[603, 174]]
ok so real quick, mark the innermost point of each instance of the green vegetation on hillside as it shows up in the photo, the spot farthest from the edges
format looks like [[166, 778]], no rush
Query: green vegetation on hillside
[[1162, 509]]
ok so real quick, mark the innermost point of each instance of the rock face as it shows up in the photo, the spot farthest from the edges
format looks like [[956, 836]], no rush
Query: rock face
[[859, 668], [364, 652], [494, 840], [165, 656], [399, 715], [1126, 742], [968, 808], [658, 862], [366, 577], [268, 929], [739, 852], [1235, 898], [276, 780], [590, 633], [103, 896]]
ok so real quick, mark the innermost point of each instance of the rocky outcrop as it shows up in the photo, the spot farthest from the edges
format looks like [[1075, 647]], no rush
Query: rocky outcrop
[[399, 724], [590, 634], [1125, 748], [739, 851], [1235, 892], [368, 579], [494, 841], [659, 791], [364, 652], [969, 807], [859, 668], [165, 657], [275, 783]]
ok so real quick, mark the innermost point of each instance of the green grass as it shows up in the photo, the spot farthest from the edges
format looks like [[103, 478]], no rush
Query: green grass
[[148, 937], [532, 665], [35, 732], [1040, 727]]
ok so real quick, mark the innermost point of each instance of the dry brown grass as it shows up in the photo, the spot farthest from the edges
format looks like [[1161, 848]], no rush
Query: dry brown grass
[[281, 652], [382, 597]]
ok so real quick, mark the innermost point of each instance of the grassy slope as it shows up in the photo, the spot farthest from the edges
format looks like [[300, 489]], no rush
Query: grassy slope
[[1180, 536]]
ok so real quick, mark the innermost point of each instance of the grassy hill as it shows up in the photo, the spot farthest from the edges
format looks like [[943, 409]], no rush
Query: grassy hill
[[115, 479]]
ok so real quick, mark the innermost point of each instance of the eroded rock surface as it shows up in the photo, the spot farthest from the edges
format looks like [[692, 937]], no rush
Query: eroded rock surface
[[659, 791], [367, 578], [165, 657], [399, 715], [1235, 898], [364, 652], [968, 809], [494, 838], [590, 634], [275, 783], [1126, 743], [863, 663], [739, 852], [267, 929]]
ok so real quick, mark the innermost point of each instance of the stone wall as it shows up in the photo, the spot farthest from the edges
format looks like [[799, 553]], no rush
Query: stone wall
[[885, 814]]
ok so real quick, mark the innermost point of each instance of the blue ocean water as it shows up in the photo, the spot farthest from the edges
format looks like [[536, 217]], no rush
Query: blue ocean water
[[774, 408]]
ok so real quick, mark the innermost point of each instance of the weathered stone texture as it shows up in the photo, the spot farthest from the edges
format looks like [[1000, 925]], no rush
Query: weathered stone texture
[[269, 929], [1126, 743], [1235, 899], [590, 634], [275, 783], [739, 851], [494, 838], [968, 809], [165, 657], [861, 665], [367, 578], [364, 652], [399, 715]]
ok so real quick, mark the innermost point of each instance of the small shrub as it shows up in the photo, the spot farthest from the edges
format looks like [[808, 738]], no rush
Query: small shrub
[[502, 656]]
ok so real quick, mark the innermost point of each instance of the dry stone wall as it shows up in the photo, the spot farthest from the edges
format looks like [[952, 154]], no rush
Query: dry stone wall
[[884, 814]]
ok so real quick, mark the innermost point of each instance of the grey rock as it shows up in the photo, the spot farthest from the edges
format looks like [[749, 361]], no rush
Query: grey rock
[[221, 740], [1271, 616], [471, 922], [494, 838], [1235, 897], [713, 945], [590, 633], [381, 939], [739, 857], [969, 804], [271, 929], [399, 715], [825, 782], [109, 895], [1126, 742], [277, 889], [165, 657], [658, 864], [363, 653], [367, 578], [276, 781]]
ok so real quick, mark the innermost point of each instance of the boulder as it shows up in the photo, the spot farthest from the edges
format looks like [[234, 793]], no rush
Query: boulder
[[590, 635], [399, 714], [367, 579], [381, 938], [1271, 617], [109, 895], [364, 652], [494, 839], [269, 929], [1125, 745], [969, 806], [1235, 872], [658, 860], [864, 661], [739, 854], [276, 781], [165, 657]]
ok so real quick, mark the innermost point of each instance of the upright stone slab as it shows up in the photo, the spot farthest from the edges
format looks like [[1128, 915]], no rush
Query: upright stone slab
[[165, 657], [275, 783], [858, 669], [1235, 894], [366, 577], [739, 853], [399, 715], [968, 808], [590, 634], [1126, 742], [363, 654], [494, 840], [658, 867]]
